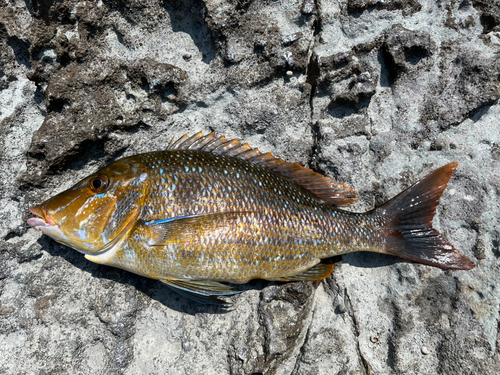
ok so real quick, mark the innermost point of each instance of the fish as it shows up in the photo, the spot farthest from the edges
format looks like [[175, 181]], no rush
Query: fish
[[208, 212]]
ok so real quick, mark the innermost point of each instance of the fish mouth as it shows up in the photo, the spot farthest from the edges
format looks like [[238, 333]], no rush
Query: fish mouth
[[45, 224], [44, 220]]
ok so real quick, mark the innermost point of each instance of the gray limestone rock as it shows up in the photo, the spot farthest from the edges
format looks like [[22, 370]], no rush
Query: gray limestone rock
[[373, 93]]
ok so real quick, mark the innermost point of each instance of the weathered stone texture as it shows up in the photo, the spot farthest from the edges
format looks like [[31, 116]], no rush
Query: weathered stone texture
[[374, 93]]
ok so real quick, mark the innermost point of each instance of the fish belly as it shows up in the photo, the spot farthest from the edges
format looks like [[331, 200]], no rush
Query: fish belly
[[235, 249]]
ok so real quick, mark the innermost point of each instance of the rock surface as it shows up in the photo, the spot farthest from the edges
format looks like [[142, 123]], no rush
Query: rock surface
[[375, 94]]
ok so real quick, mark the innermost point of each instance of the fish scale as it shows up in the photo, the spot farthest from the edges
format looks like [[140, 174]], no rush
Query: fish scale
[[294, 231], [207, 210]]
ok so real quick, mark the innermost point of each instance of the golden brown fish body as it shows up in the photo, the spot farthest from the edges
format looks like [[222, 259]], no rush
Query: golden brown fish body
[[233, 221], [209, 210]]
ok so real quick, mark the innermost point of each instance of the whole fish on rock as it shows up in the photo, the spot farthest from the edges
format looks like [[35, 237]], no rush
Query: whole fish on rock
[[208, 211]]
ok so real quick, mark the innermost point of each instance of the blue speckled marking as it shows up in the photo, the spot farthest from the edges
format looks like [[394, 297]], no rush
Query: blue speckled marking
[[163, 221]]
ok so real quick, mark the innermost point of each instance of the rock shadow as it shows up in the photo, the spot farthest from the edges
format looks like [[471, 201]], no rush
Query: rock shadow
[[189, 16]]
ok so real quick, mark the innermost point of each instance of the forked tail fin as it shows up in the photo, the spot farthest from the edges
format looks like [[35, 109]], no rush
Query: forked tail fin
[[409, 233]]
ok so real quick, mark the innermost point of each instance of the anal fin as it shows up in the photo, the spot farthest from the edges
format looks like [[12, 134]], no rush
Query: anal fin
[[319, 272], [202, 291]]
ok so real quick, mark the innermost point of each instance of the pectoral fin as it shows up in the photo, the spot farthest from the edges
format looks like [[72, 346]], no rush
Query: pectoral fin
[[202, 291], [188, 228], [319, 272]]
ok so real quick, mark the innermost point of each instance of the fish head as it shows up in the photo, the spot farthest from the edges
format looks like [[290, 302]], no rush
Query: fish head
[[92, 214]]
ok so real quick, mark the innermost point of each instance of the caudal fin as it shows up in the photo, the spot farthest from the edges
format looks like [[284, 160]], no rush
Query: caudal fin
[[409, 216]]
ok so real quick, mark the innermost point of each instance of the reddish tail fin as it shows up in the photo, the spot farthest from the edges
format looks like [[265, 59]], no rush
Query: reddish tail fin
[[409, 216]]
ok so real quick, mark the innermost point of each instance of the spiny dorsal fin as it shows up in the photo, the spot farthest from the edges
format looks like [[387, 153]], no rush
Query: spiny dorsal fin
[[327, 189]]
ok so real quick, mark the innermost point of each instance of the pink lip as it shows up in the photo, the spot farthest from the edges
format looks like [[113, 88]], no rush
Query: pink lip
[[44, 219], [37, 223]]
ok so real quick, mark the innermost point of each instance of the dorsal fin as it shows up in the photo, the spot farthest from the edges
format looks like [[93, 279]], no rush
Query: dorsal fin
[[326, 189]]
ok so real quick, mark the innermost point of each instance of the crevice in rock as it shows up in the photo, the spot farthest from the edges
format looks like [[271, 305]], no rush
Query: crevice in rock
[[21, 50], [11, 234], [366, 365], [388, 69], [392, 339], [313, 159], [302, 346], [495, 348], [313, 73], [318, 23], [312, 79], [281, 339], [357, 7]]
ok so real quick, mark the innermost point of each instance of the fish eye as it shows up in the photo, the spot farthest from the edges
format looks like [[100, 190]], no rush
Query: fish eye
[[98, 183]]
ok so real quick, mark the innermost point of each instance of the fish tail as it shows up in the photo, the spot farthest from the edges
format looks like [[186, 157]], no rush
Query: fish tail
[[409, 233]]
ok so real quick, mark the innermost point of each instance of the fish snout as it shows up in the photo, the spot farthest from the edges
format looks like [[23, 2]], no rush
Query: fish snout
[[45, 224], [43, 219], [37, 210]]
